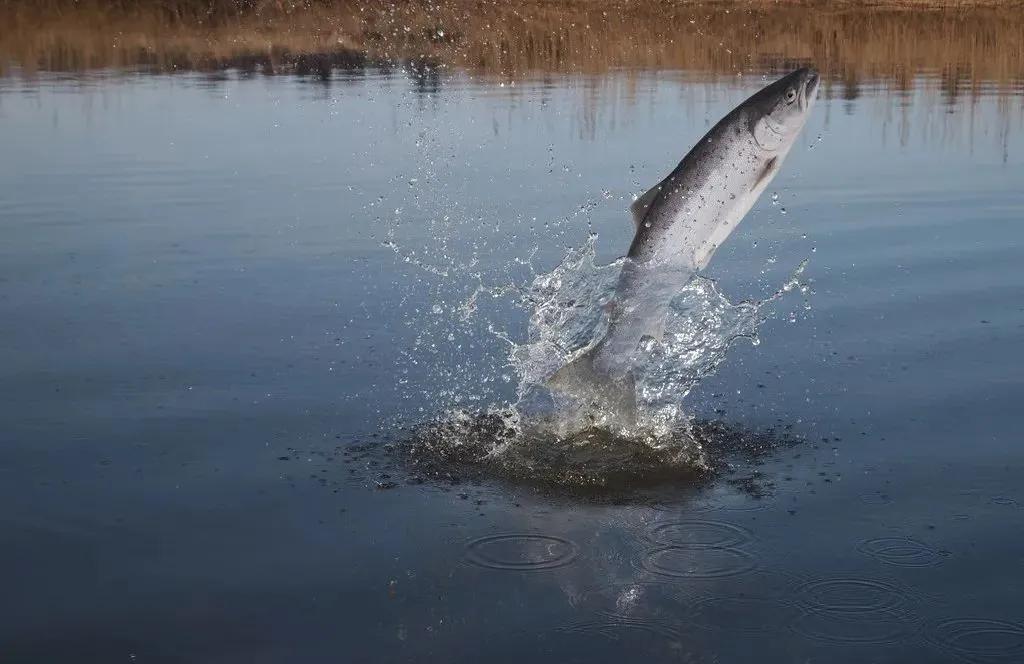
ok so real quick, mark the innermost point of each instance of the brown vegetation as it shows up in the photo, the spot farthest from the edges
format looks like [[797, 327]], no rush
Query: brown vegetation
[[966, 44]]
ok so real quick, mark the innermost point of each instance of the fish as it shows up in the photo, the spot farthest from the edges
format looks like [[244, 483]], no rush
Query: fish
[[680, 223]]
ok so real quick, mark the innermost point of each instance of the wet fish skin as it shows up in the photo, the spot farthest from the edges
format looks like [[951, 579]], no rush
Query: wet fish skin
[[681, 222]]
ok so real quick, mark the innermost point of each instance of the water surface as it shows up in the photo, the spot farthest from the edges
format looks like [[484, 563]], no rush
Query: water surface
[[225, 299]]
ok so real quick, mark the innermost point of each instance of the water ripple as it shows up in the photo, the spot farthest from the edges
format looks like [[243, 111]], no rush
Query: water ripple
[[700, 534], [980, 639], [878, 627], [902, 552], [689, 563], [851, 596], [521, 552]]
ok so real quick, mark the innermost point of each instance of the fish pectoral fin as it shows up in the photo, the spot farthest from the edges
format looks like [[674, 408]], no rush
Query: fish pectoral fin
[[641, 205], [767, 171]]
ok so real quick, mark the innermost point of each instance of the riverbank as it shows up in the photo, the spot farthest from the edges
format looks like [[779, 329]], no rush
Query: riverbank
[[965, 43]]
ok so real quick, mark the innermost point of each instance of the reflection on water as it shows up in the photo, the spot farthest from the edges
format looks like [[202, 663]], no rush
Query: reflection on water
[[966, 52], [223, 294], [952, 57]]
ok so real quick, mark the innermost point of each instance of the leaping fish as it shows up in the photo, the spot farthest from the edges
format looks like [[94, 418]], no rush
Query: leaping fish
[[681, 222]]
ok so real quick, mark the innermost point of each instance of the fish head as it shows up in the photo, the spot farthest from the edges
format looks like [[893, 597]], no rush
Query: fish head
[[777, 113]]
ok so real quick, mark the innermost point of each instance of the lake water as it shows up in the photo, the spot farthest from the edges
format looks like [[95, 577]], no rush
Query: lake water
[[227, 298]]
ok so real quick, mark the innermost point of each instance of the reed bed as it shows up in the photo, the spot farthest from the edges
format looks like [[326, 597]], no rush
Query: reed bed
[[966, 45]]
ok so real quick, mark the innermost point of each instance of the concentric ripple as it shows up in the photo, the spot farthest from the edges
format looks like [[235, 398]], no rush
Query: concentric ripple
[[521, 552], [851, 596], [700, 534], [876, 627], [690, 563], [902, 552], [980, 639]]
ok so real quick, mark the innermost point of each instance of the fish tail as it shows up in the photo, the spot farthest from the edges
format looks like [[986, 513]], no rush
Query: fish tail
[[578, 376], [582, 380]]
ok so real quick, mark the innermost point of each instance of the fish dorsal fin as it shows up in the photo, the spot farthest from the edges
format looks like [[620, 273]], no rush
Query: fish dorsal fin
[[641, 205]]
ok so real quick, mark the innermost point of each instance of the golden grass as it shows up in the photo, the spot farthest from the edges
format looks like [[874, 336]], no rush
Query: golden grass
[[967, 44]]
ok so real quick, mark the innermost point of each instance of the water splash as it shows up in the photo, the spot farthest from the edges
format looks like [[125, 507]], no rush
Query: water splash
[[479, 330], [569, 316], [542, 436]]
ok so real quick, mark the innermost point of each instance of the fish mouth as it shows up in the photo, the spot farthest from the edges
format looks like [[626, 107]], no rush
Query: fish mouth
[[809, 90]]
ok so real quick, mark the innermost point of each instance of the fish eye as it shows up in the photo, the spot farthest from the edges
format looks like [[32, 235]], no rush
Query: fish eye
[[790, 95]]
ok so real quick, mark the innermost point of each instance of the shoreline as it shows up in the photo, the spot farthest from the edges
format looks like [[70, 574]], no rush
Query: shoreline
[[966, 43]]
